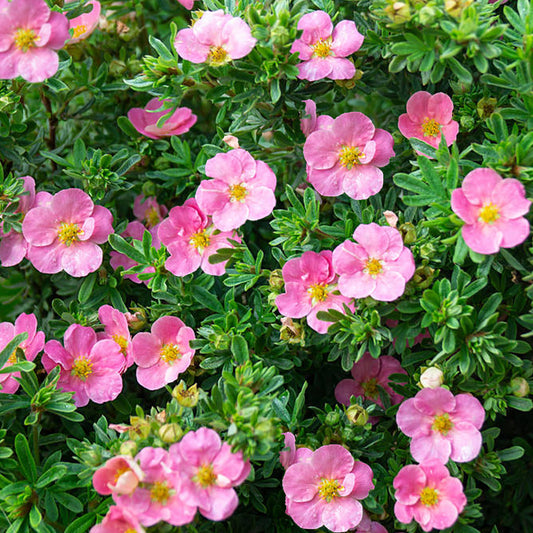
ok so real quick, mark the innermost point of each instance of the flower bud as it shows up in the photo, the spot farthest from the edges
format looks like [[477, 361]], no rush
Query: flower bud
[[186, 397], [427, 15], [391, 218], [332, 418], [136, 320], [128, 447], [276, 280], [398, 12], [431, 378], [139, 429], [357, 415], [486, 106], [520, 387], [423, 277], [170, 433], [231, 140], [291, 332], [456, 7], [467, 122], [408, 232]]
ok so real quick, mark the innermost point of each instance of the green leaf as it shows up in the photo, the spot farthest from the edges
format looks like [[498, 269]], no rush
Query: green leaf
[[26, 462], [54, 473], [81, 524], [511, 454], [86, 288], [239, 349], [120, 245], [11, 346], [205, 298], [70, 502]]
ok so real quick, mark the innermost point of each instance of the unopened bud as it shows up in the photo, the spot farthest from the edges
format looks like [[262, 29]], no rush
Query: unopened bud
[[486, 106], [186, 397], [170, 433], [276, 280], [136, 320], [456, 7], [408, 232], [139, 428], [467, 122], [231, 140], [391, 218], [398, 12], [332, 418], [431, 378], [427, 15], [128, 447], [161, 417], [291, 331], [357, 415], [520, 387], [423, 277]]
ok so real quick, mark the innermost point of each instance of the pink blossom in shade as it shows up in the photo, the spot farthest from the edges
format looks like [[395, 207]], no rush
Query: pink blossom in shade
[[314, 122], [293, 454], [164, 353], [31, 347], [148, 211], [242, 189], [368, 526], [65, 233], [118, 520], [89, 368], [161, 496], [428, 493], [378, 265], [30, 34], [345, 157], [209, 470], [116, 328], [86, 23], [187, 4], [191, 240], [492, 209], [323, 49], [325, 489], [120, 475], [428, 118], [442, 426], [145, 120], [310, 287], [368, 375], [216, 39]]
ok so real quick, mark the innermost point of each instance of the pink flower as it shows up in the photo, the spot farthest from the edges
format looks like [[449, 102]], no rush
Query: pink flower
[[164, 353], [428, 493], [120, 475], [89, 368], [378, 265], [209, 471], [243, 189], [325, 489], [191, 240], [323, 49], [118, 520], [492, 209], [215, 38], [293, 455], [31, 347], [64, 234], [369, 374], [148, 211], [116, 328], [145, 120], [310, 287], [314, 123], [86, 23], [368, 526], [442, 426], [187, 4], [429, 117], [345, 157], [30, 34]]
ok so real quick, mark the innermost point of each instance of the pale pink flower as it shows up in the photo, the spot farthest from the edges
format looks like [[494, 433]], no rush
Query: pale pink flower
[[209, 471], [391, 218], [65, 233], [345, 157], [310, 287], [31, 347], [323, 49], [118, 520], [294, 454], [89, 368], [30, 34], [368, 526], [242, 189], [148, 211], [442, 426], [378, 265], [215, 38], [428, 118], [86, 23], [314, 123], [187, 4], [164, 353], [120, 475], [492, 209], [369, 374], [192, 239], [145, 120], [325, 489], [428, 493], [116, 328], [231, 141], [432, 378]]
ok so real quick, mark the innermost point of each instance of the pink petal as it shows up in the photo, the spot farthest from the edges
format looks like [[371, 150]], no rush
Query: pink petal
[[465, 442], [332, 461], [363, 181], [390, 286], [346, 39], [479, 185], [223, 503], [482, 238], [315, 69], [321, 150], [354, 129], [345, 390], [440, 108], [103, 224], [341, 69], [417, 106], [468, 409], [231, 216], [434, 401], [189, 48], [327, 182], [316, 25], [38, 64], [463, 208], [13, 247], [239, 42], [81, 258], [295, 302], [411, 421], [428, 447], [510, 197], [363, 480], [79, 340], [260, 202], [384, 151], [342, 514], [146, 349]]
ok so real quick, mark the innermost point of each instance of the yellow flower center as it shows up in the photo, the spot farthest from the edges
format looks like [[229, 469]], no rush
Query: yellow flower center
[[370, 388], [205, 476], [350, 156], [78, 30], [169, 353], [322, 48], [152, 217], [122, 342], [200, 239], [25, 39], [430, 127], [329, 489], [429, 496], [130, 530], [373, 267], [160, 492], [13, 357], [217, 56], [82, 368], [489, 213], [237, 193], [442, 424], [318, 292], [69, 233], [120, 471]]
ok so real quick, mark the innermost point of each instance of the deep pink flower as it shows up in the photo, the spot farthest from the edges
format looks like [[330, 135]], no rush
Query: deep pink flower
[[116, 329], [325, 489], [145, 120], [164, 353], [369, 373], [294, 454], [191, 239], [368, 526], [378, 265], [493, 209], [215, 38], [187, 4], [30, 34], [314, 123], [89, 368], [120, 475], [65, 233], [323, 49], [442, 426], [86, 23], [428, 118], [310, 287], [428, 493], [118, 520], [242, 189], [209, 471], [148, 211], [31, 347], [345, 157]]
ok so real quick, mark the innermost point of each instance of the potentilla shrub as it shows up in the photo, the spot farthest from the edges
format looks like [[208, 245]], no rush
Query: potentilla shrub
[[265, 266]]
